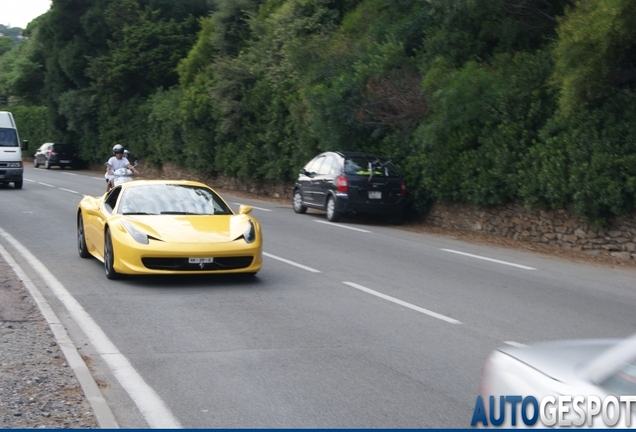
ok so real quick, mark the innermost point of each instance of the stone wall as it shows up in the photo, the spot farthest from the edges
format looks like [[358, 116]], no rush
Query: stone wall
[[562, 228]]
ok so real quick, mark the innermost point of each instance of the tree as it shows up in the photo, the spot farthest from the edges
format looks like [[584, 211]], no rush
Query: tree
[[6, 44], [595, 51]]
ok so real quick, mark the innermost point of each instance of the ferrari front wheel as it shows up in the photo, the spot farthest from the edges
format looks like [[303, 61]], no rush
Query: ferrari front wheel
[[109, 257], [81, 238]]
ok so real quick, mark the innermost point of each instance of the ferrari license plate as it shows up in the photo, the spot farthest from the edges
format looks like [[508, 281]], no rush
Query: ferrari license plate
[[200, 260], [375, 195]]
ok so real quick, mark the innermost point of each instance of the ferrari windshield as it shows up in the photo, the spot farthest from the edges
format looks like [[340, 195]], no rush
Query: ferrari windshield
[[172, 199]]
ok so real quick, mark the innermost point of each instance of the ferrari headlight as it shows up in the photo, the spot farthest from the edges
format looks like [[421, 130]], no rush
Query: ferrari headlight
[[250, 234], [134, 232]]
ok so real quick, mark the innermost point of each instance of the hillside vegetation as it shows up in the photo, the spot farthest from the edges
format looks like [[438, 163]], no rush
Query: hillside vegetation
[[478, 101]]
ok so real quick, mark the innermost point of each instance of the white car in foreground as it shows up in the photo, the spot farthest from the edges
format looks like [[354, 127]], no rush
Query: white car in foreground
[[584, 383]]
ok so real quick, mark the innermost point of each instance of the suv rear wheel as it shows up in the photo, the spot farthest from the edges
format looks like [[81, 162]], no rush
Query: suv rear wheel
[[332, 214]]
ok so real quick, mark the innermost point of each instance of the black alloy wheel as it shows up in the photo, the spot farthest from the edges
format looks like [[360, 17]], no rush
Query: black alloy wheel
[[81, 238], [109, 257]]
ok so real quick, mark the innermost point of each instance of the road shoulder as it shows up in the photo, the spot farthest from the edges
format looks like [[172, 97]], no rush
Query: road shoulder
[[44, 381]]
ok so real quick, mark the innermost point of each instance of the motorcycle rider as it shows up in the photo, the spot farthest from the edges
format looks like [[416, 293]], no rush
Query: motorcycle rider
[[116, 162]]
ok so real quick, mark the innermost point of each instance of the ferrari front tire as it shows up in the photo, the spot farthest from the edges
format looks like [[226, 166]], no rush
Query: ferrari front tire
[[81, 238], [109, 257]]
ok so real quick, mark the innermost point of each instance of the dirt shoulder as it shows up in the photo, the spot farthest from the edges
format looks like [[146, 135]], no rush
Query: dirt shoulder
[[38, 389]]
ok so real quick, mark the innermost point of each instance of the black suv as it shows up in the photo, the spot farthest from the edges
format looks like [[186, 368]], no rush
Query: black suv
[[55, 154], [340, 182]]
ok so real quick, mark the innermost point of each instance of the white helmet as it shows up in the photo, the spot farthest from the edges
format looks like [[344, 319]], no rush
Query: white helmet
[[126, 153], [118, 148]]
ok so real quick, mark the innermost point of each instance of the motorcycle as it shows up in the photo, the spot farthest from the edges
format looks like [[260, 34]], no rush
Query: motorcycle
[[121, 175]]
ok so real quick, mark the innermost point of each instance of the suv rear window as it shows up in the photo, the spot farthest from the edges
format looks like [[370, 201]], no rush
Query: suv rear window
[[364, 166], [63, 148]]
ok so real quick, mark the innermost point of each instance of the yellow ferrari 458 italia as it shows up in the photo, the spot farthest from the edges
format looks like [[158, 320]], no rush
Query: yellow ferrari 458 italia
[[167, 227]]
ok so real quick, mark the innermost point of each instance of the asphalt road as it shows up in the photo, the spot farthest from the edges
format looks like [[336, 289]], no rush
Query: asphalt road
[[347, 325]]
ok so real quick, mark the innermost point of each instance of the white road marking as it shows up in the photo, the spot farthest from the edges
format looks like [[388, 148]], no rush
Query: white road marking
[[515, 344], [403, 303], [490, 259], [29, 180], [304, 267], [68, 173], [257, 208], [46, 184], [342, 226], [151, 406], [102, 411], [99, 178], [69, 190]]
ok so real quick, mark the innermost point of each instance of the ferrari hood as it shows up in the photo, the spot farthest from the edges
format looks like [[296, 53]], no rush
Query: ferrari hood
[[192, 229]]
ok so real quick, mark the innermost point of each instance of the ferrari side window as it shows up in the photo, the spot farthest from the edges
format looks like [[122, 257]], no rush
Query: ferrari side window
[[111, 199]]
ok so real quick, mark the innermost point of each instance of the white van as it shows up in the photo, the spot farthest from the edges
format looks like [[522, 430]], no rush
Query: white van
[[11, 168]]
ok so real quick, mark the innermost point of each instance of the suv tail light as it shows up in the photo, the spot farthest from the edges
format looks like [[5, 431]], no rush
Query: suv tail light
[[403, 188], [342, 185]]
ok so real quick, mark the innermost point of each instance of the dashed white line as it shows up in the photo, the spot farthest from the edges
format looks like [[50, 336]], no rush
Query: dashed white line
[[46, 184], [98, 178], [490, 259], [69, 190], [515, 344], [403, 303], [68, 173], [342, 226], [29, 180], [304, 267], [257, 208]]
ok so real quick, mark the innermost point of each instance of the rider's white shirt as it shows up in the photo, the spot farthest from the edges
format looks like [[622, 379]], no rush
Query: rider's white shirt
[[115, 163]]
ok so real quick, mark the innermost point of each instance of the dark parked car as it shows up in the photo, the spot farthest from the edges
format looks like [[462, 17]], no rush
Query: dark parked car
[[340, 182], [55, 154]]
